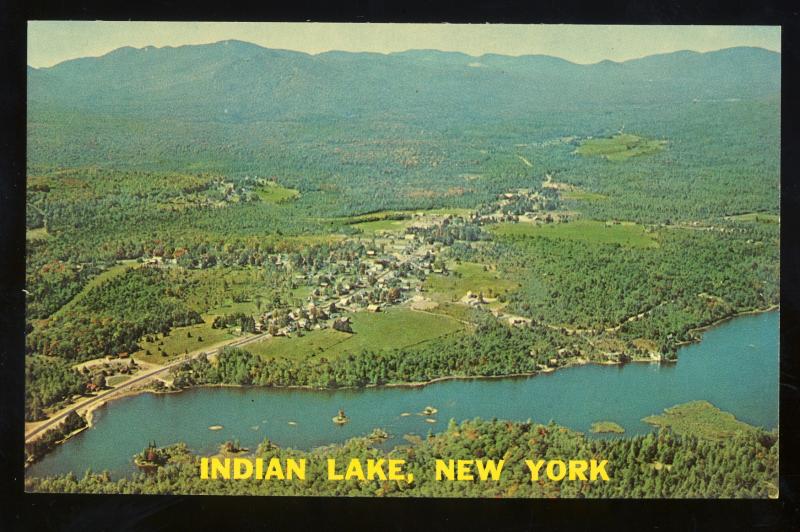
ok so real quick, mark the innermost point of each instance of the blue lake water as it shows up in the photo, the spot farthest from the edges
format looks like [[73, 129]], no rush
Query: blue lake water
[[735, 367]]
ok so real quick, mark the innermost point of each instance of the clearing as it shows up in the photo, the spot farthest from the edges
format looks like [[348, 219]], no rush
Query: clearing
[[619, 147], [114, 380], [274, 193], [377, 226], [761, 217], [37, 234], [466, 277], [180, 341], [393, 329]]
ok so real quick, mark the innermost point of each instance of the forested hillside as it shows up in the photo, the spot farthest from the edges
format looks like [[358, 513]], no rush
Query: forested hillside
[[234, 82]]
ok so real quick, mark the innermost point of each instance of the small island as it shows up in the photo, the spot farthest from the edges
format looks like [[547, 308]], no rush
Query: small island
[[340, 418], [378, 435], [701, 419], [602, 427], [429, 411], [232, 448], [151, 457]]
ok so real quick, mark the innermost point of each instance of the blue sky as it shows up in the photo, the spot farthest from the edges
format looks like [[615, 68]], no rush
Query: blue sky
[[50, 42]]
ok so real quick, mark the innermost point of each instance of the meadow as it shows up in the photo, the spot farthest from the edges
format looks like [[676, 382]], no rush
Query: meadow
[[393, 329], [40, 233], [619, 147], [273, 193], [468, 277], [180, 341]]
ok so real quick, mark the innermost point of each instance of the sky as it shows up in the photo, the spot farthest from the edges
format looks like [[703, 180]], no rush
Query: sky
[[50, 42]]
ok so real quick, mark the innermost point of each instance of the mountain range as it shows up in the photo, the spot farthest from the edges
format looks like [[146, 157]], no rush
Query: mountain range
[[235, 81]]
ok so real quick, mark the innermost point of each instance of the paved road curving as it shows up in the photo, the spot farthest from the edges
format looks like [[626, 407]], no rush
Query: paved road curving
[[128, 384]]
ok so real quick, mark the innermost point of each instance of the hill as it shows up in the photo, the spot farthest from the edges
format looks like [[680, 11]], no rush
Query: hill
[[234, 81]]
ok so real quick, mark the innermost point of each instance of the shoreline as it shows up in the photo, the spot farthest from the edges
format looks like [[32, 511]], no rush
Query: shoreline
[[704, 328], [569, 364], [89, 414]]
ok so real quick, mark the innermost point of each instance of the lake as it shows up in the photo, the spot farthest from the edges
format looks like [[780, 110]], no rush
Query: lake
[[735, 367]]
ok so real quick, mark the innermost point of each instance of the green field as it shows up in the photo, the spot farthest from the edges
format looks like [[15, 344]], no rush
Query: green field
[[393, 329], [178, 342], [464, 277], [619, 147], [699, 418], [273, 193], [299, 347], [622, 233], [37, 234], [456, 310], [761, 217], [116, 379]]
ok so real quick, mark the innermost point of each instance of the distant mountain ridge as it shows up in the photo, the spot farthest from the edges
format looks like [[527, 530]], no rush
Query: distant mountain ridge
[[239, 81], [417, 53]]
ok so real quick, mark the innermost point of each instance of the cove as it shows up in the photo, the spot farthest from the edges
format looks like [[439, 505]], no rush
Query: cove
[[735, 367]]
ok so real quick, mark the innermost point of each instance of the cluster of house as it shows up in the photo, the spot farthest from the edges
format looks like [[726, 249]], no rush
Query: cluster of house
[[371, 282], [108, 368], [520, 205]]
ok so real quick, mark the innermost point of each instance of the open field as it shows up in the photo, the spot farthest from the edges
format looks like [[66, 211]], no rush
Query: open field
[[619, 147], [464, 277], [701, 419], [761, 217], [457, 311], [37, 234], [312, 343], [277, 194], [376, 226], [117, 379], [179, 342], [393, 329], [623, 233]]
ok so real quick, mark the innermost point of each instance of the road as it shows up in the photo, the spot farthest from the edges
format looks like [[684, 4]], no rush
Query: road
[[127, 385]]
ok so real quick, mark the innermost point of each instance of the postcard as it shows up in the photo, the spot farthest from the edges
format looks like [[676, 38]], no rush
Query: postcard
[[403, 260]]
